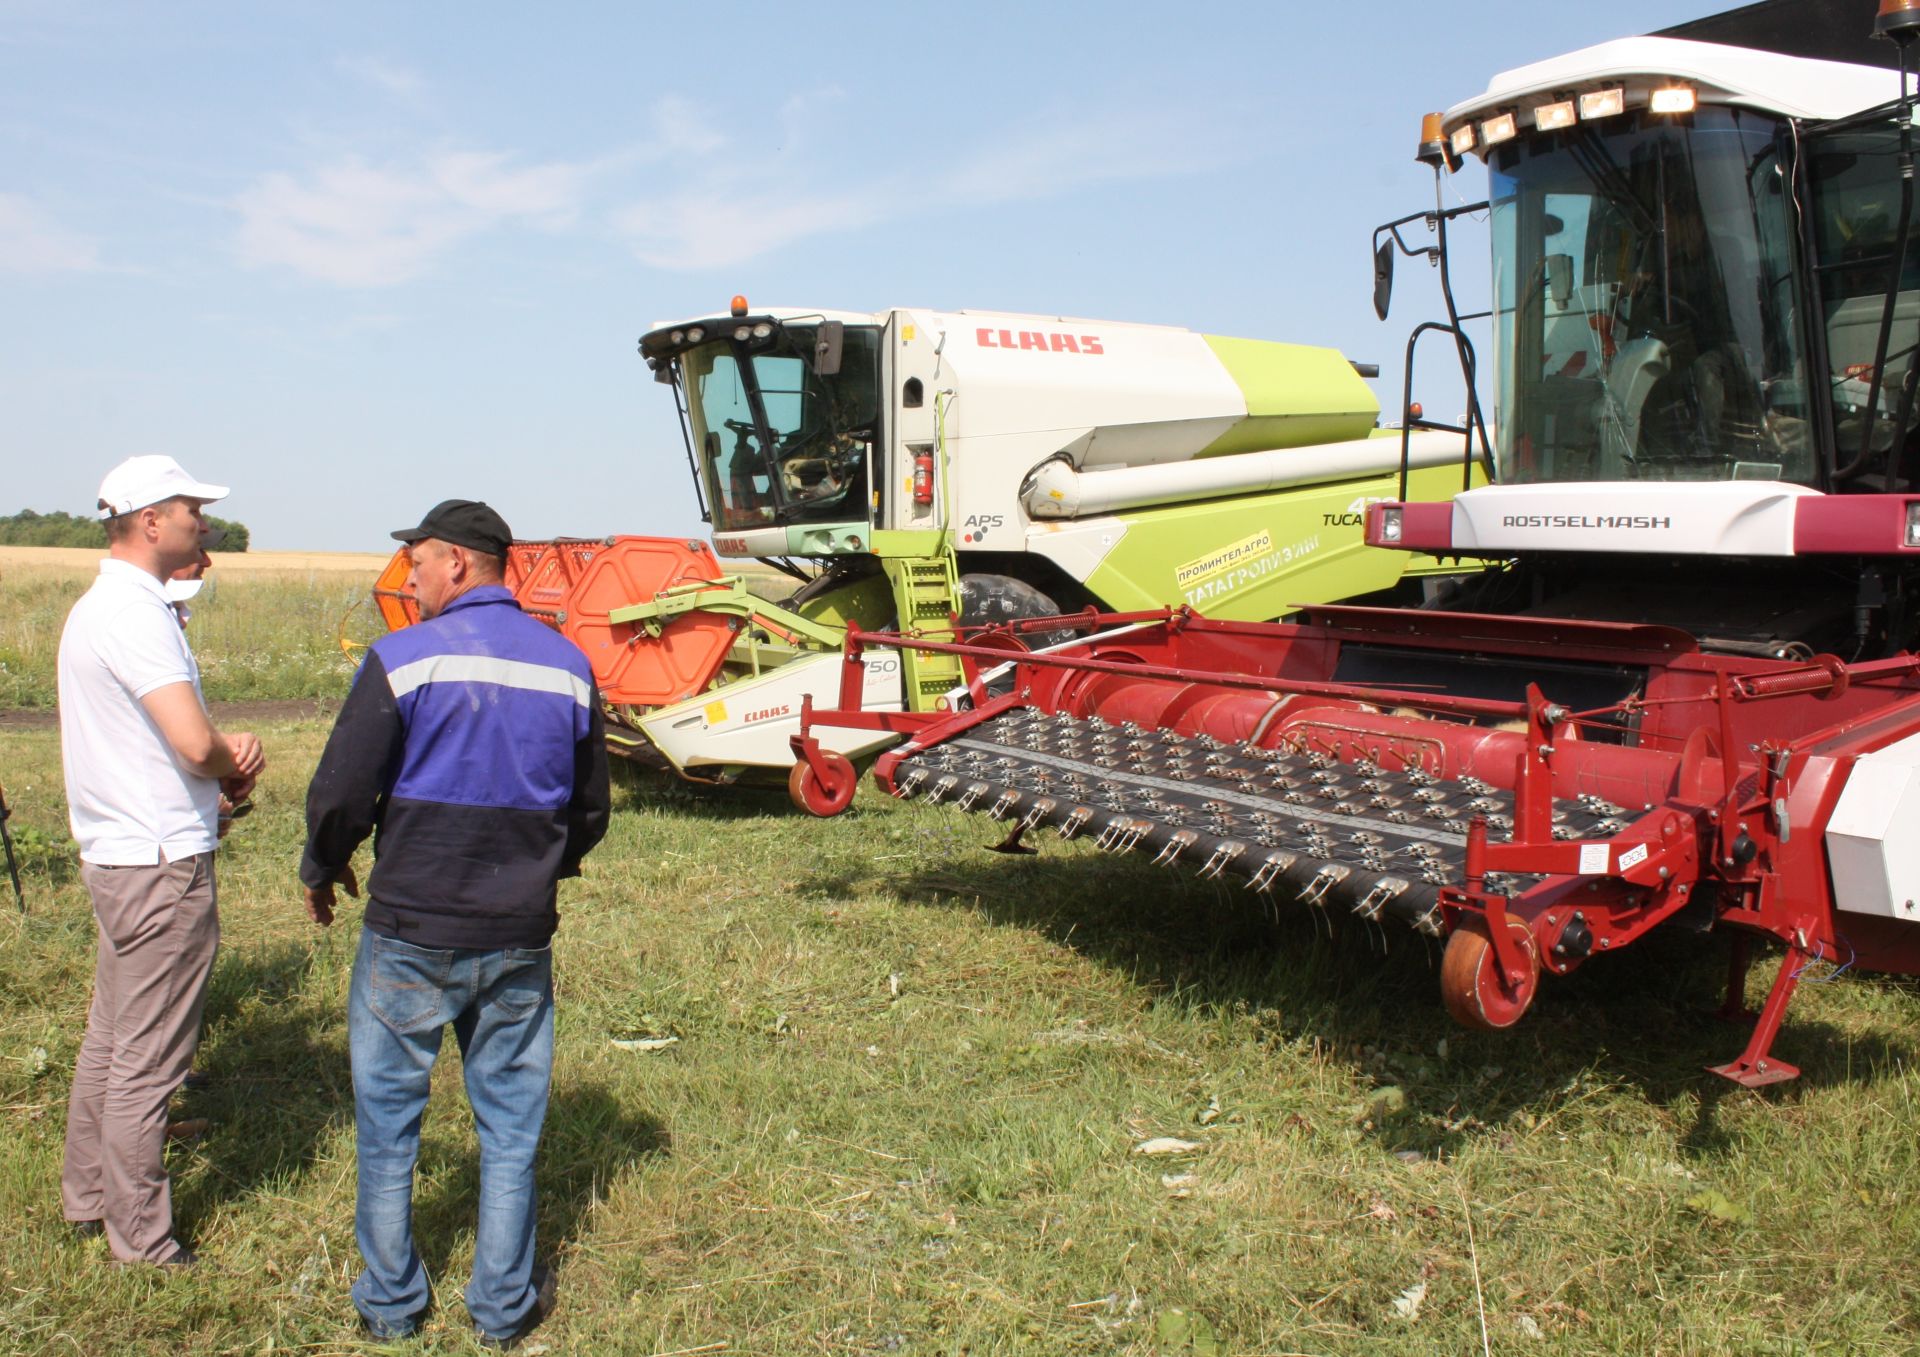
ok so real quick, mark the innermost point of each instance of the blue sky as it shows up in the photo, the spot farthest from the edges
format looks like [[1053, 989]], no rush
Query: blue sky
[[355, 258]]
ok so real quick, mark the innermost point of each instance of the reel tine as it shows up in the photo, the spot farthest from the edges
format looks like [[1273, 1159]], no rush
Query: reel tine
[[1324, 880], [1177, 844]]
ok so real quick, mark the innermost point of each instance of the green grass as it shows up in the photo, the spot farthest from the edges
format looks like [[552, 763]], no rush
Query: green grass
[[257, 636], [901, 1112]]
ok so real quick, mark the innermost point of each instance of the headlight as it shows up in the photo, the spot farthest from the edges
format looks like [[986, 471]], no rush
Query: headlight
[[1673, 99], [762, 330], [1498, 128], [1390, 524], [677, 337], [1913, 522], [740, 332], [1552, 117], [695, 335], [1603, 103]]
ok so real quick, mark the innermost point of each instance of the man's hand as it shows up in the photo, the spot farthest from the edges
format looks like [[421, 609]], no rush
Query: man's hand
[[320, 898], [249, 758]]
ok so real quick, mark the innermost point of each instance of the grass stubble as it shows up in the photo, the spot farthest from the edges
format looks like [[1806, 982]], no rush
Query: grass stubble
[[907, 1080]]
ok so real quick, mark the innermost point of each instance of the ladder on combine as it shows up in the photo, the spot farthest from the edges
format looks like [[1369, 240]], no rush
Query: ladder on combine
[[926, 597]]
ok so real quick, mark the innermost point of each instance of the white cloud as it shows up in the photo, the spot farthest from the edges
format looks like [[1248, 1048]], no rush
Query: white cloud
[[486, 183], [714, 227], [678, 129], [367, 226], [363, 224], [401, 82], [728, 213], [32, 242], [704, 202]]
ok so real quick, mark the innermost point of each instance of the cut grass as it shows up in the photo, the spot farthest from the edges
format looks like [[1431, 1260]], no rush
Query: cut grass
[[901, 1113]]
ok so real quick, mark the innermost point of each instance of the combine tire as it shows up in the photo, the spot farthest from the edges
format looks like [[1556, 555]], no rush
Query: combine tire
[[823, 797], [986, 599], [1475, 992]]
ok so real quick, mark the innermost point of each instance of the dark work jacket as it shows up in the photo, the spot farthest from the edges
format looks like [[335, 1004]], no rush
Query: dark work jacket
[[471, 745]]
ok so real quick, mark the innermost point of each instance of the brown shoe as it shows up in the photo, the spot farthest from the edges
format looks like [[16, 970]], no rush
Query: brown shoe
[[191, 1129]]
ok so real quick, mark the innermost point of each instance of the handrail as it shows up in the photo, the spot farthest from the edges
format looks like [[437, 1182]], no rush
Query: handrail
[[1408, 423], [1437, 256]]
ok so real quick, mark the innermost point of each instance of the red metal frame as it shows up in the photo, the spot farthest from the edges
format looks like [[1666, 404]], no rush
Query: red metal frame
[[1730, 777]]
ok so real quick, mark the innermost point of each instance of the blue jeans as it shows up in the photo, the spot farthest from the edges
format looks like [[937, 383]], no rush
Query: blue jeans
[[501, 1006]]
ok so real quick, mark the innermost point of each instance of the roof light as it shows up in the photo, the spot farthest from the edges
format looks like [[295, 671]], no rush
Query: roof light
[[1673, 99], [1433, 149], [739, 304], [1463, 139], [1501, 127], [696, 334], [1553, 117], [1603, 103], [1897, 19], [740, 332], [677, 337], [762, 330]]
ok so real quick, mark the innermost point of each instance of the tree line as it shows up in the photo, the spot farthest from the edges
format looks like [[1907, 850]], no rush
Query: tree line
[[62, 529]]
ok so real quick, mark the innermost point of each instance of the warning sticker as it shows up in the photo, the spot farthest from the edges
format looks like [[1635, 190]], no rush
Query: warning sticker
[[1633, 857], [716, 713], [1593, 859]]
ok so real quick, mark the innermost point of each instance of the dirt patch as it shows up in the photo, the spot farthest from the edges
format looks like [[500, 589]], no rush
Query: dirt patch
[[226, 715], [225, 562]]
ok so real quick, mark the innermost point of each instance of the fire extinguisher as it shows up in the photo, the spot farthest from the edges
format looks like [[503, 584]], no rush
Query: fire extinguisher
[[923, 478]]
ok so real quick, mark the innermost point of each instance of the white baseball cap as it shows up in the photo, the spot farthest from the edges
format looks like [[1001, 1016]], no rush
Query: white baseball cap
[[140, 481]]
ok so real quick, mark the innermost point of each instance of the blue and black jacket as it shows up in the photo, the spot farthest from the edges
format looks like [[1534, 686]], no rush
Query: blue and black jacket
[[471, 745]]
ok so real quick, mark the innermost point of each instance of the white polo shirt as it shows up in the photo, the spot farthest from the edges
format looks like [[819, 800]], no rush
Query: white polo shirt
[[129, 801]]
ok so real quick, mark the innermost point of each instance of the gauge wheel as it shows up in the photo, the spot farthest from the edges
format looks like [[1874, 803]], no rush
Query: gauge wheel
[[1476, 993], [823, 796]]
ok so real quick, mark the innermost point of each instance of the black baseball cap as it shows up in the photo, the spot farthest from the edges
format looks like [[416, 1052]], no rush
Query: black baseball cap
[[465, 523]]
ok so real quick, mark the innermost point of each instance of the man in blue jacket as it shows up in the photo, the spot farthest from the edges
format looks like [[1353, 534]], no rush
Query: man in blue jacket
[[471, 747]]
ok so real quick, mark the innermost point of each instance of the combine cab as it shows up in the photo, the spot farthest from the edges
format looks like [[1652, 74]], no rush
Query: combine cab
[[1683, 690]]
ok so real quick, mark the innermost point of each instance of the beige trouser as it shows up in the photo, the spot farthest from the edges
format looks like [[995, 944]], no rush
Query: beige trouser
[[159, 929]]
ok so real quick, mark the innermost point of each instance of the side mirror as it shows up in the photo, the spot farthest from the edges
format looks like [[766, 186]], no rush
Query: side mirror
[[1383, 276], [1559, 279], [827, 342]]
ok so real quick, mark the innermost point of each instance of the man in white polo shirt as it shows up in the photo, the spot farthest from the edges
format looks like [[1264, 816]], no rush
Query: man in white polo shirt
[[145, 769]]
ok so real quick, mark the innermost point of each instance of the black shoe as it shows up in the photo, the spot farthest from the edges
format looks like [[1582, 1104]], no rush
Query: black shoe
[[196, 1081], [542, 1307], [181, 1259], [382, 1334], [87, 1229]]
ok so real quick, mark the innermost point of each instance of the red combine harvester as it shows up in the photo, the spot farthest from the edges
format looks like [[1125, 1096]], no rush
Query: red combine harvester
[[1683, 693]]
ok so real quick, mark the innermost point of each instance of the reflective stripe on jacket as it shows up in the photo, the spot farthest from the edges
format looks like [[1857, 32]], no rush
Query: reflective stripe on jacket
[[471, 745]]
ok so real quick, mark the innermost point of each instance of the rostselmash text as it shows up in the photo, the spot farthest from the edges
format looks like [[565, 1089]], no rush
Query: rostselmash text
[[1644, 522]]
